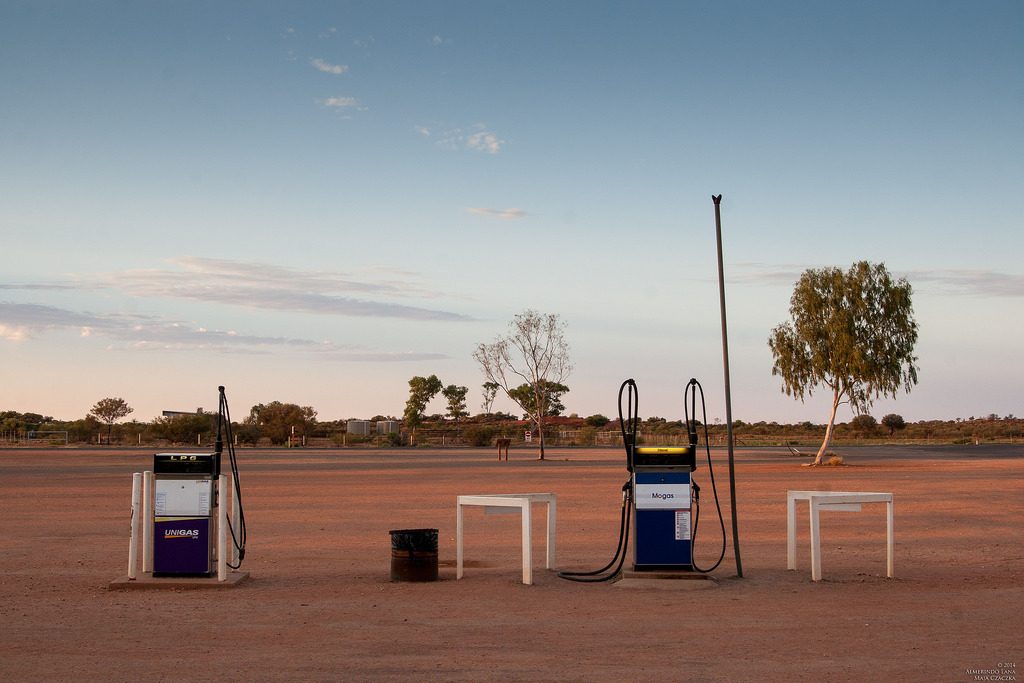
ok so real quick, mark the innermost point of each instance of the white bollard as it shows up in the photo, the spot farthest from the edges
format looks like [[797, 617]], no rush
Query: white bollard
[[235, 514], [133, 542], [147, 521], [222, 529]]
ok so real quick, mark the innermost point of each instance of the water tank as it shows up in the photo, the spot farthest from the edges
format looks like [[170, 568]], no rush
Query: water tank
[[360, 427], [387, 426]]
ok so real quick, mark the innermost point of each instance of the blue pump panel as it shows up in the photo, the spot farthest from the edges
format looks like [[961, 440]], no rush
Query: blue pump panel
[[662, 527]]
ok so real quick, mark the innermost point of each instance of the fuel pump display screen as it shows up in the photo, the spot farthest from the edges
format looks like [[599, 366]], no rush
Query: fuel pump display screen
[[182, 497]]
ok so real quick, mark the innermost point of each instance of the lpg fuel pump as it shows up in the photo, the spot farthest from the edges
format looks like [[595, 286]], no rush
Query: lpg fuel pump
[[186, 497], [659, 496]]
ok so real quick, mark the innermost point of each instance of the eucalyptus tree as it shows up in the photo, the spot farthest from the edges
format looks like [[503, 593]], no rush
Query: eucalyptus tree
[[421, 391], [456, 398], [852, 332], [534, 353]]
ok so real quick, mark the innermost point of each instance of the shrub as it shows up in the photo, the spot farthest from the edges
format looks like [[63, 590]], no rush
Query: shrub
[[479, 435], [864, 424]]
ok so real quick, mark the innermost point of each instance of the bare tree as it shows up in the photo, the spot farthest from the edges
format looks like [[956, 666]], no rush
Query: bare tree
[[535, 352]]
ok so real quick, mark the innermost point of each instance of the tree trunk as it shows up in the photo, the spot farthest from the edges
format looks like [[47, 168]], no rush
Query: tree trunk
[[828, 429], [540, 437], [540, 432]]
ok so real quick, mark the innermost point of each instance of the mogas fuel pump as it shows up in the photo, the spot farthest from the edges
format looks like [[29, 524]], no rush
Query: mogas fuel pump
[[660, 496]]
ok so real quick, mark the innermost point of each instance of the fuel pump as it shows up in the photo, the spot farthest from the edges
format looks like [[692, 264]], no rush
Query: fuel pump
[[185, 499], [660, 496], [184, 502]]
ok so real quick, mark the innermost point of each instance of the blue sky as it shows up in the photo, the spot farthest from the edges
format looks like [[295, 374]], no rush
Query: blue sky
[[314, 202]]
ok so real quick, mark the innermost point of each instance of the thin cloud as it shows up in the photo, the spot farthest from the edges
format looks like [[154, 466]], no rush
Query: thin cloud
[[340, 102], [265, 286], [20, 322], [971, 282], [503, 214], [477, 138], [948, 281], [485, 141], [327, 67], [384, 357]]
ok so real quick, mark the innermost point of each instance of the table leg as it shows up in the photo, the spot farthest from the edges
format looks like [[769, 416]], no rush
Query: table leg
[[815, 541], [889, 540], [550, 559], [527, 544], [458, 541], [790, 531]]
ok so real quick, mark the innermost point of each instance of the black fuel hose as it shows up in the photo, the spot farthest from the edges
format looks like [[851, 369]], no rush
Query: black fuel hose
[[599, 575]]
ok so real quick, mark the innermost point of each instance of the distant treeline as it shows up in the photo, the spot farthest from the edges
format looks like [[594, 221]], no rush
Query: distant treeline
[[285, 425]]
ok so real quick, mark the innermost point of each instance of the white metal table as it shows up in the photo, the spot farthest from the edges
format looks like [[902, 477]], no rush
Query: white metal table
[[522, 501], [836, 501]]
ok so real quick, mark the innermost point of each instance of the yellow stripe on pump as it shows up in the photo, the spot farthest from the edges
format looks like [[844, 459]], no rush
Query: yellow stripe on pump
[[660, 450]]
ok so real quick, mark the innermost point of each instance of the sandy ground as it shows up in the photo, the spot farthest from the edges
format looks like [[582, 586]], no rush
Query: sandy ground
[[320, 606]]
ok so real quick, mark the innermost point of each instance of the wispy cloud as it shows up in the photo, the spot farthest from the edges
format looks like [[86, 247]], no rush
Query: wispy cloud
[[327, 67], [974, 282], [265, 286], [477, 138], [949, 281], [340, 102], [485, 141], [504, 214], [20, 322]]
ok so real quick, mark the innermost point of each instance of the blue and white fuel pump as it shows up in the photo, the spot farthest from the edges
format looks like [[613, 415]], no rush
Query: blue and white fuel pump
[[660, 501]]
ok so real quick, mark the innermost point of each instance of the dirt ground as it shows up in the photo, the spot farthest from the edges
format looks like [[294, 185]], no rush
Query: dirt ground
[[320, 606]]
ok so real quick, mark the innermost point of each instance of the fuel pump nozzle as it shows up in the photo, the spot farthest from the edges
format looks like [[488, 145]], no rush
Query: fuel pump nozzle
[[218, 445], [629, 423], [691, 423]]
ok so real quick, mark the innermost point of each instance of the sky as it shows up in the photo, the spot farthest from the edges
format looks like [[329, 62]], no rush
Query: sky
[[313, 202]]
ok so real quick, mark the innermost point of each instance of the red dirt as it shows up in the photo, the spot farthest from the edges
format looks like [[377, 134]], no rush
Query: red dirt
[[319, 605]]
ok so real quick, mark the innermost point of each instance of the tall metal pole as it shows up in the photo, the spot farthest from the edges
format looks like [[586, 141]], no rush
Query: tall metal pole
[[728, 388]]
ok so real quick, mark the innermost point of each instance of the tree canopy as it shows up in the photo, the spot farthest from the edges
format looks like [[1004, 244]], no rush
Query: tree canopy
[[276, 420], [852, 332], [894, 423], [551, 396], [110, 410], [456, 398], [421, 391]]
